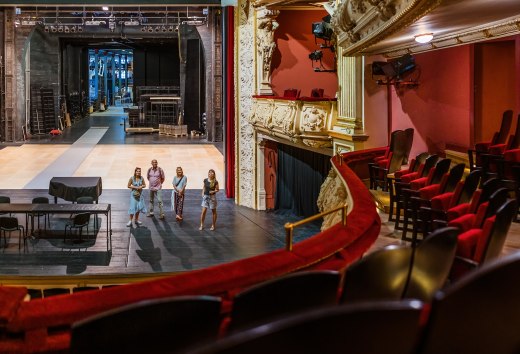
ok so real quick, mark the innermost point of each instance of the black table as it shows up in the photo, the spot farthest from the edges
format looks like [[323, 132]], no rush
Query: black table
[[28, 209], [71, 188]]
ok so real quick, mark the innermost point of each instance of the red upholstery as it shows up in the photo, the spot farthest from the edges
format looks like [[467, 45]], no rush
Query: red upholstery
[[497, 149], [291, 93], [467, 243], [482, 241], [470, 220], [429, 192], [10, 299]]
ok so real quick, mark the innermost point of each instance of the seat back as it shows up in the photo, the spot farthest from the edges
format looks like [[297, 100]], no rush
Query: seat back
[[40, 200], [151, 326], [477, 314], [85, 200], [381, 275], [282, 296], [514, 140], [381, 327], [470, 186], [441, 168], [398, 150], [8, 223], [409, 141], [505, 126], [429, 163], [431, 264], [81, 219], [497, 238], [454, 176]]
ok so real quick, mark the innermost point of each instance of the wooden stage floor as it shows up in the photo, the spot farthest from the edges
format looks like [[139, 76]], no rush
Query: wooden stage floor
[[156, 246]]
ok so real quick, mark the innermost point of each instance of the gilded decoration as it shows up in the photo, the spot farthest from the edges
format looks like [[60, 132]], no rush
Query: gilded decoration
[[362, 23], [294, 120], [332, 195]]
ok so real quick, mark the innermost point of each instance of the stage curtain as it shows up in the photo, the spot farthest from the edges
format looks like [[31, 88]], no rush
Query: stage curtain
[[230, 103], [300, 176]]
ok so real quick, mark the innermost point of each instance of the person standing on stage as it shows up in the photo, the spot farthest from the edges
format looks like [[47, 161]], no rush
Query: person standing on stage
[[137, 205], [155, 176], [179, 185], [209, 199]]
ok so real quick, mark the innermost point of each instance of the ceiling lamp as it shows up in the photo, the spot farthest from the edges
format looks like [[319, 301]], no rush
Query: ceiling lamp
[[424, 38]]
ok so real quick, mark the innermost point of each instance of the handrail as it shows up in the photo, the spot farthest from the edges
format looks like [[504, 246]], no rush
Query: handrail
[[289, 227]]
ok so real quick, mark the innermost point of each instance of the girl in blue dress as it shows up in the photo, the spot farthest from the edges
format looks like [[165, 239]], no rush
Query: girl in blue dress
[[136, 184]]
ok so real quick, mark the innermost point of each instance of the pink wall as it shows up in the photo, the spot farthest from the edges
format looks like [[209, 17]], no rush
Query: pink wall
[[439, 109], [375, 108], [291, 66]]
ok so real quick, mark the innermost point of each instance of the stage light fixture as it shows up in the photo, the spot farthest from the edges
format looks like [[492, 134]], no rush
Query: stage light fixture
[[73, 29], [316, 55], [163, 29], [143, 29], [60, 29], [66, 29], [80, 29], [54, 29], [157, 29], [150, 29], [47, 29], [170, 29]]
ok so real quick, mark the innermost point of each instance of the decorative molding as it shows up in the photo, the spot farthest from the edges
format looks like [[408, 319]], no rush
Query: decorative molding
[[265, 44], [246, 161], [362, 23], [332, 194], [299, 122], [504, 28]]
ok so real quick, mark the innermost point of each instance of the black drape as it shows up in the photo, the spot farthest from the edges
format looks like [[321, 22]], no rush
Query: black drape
[[300, 176]]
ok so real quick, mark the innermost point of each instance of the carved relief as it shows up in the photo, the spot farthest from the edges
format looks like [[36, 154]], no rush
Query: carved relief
[[332, 195], [313, 119], [317, 143], [361, 23], [266, 46], [246, 187]]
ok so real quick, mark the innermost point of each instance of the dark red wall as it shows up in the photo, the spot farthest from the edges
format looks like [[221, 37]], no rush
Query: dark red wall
[[291, 66]]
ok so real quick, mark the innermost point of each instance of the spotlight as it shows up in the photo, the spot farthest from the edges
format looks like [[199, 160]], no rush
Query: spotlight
[[323, 29], [150, 29], [143, 29], [316, 55], [73, 29], [60, 29], [66, 29], [157, 29], [80, 29], [176, 28], [170, 29], [54, 29], [163, 29], [47, 29]]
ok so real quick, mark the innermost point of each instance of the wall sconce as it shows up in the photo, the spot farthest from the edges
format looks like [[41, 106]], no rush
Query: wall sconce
[[424, 38]]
